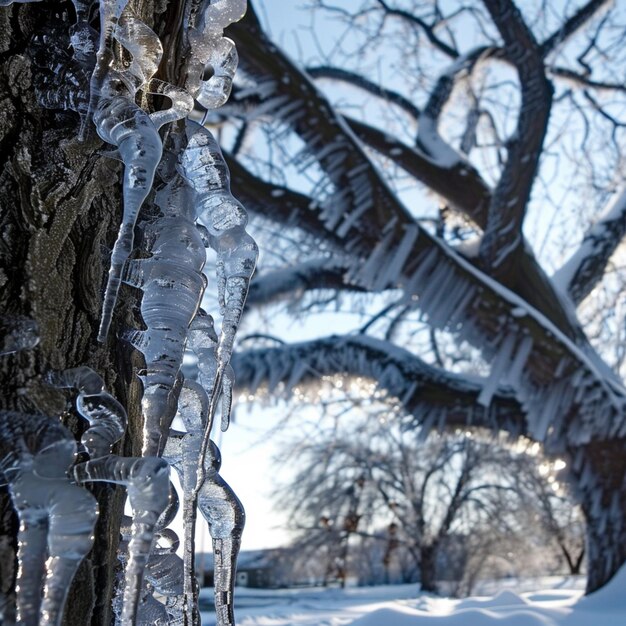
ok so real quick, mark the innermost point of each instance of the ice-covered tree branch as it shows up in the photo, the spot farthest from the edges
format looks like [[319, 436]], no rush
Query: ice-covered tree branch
[[510, 198], [294, 281], [585, 268], [433, 397], [460, 184], [375, 226]]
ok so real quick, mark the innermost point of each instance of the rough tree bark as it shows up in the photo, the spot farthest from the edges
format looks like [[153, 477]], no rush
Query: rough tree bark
[[60, 209]]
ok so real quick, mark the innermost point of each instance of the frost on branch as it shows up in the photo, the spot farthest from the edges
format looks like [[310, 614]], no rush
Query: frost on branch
[[433, 398], [555, 374]]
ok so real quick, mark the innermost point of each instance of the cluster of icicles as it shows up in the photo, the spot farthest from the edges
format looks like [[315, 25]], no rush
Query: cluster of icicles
[[192, 209]]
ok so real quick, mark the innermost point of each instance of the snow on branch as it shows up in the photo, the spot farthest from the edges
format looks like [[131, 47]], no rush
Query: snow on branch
[[428, 138], [503, 234], [461, 185], [363, 207], [432, 397], [585, 268], [569, 392]]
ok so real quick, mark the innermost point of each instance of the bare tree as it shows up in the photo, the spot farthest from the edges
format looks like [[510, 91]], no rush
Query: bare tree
[[364, 475], [518, 124]]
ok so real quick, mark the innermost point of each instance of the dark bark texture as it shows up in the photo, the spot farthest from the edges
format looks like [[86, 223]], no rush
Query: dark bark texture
[[59, 212]]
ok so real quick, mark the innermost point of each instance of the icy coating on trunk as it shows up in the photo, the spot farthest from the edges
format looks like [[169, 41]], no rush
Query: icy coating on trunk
[[176, 195]]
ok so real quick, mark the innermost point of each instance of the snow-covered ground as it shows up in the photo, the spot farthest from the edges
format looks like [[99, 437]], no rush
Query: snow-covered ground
[[549, 602]]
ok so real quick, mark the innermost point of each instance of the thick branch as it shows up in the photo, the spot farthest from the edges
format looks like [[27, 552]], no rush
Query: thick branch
[[433, 397], [586, 266], [510, 198], [461, 184]]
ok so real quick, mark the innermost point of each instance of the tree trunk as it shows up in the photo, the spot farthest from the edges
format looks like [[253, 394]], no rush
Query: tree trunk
[[60, 209], [428, 567], [597, 476]]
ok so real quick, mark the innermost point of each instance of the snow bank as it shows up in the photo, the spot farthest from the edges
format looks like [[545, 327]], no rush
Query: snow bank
[[606, 607], [549, 602]]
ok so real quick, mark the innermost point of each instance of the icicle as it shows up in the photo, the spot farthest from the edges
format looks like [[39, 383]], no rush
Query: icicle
[[225, 516], [225, 218], [216, 16], [202, 342], [146, 480], [82, 36], [17, 333], [210, 50], [173, 285], [110, 12], [182, 450], [222, 59], [182, 102], [121, 122], [106, 416], [55, 515], [144, 46]]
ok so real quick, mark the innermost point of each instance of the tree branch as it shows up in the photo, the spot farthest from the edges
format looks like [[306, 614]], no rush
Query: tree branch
[[428, 138], [461, 184], [585, 268], [432, 397], [294, 281], [570, 26], [510, 198], [554, 376], [585, 81], [426, 28], [337, 73]]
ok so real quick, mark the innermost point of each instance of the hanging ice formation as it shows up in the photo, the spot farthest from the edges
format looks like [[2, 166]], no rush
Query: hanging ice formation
[[121, 122], [108, 78], [56, 517], [217, 502], [146, 478], [225, 219], [17, 333], [172, 283]]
